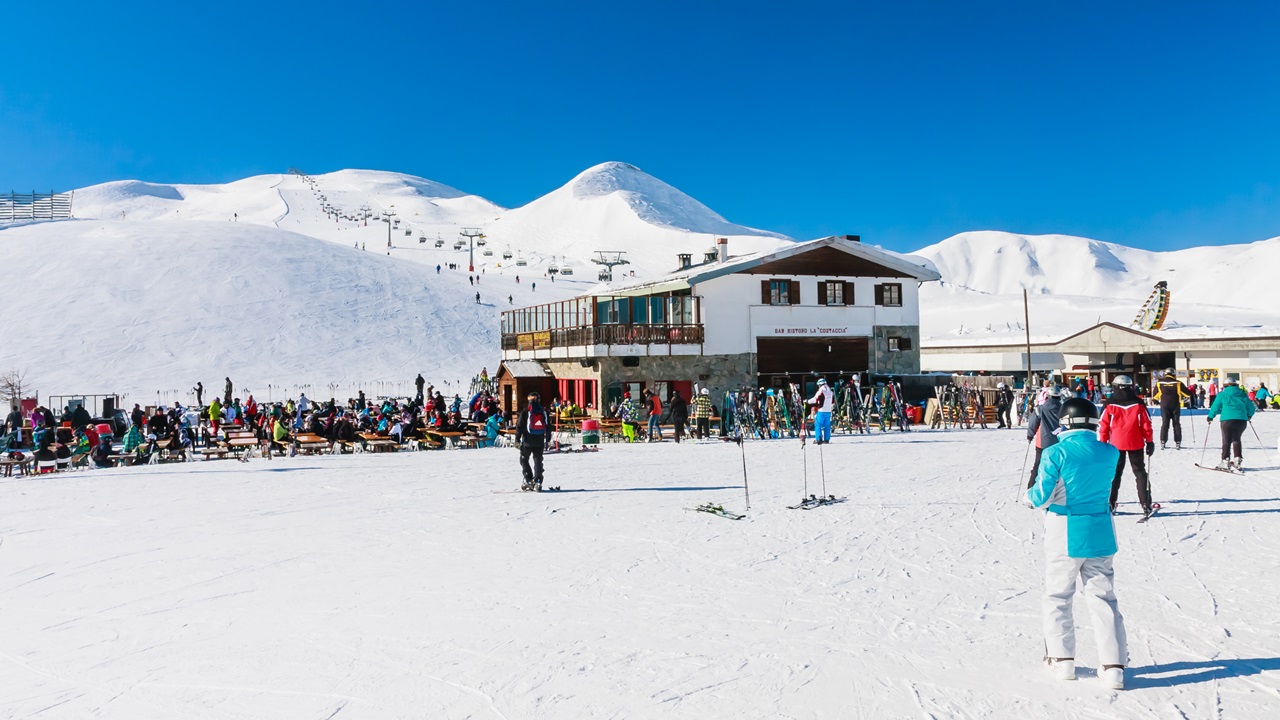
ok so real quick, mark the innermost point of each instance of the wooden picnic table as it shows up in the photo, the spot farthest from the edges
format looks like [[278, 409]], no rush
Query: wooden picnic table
[[311, 443], [23, 465], [379, 443]]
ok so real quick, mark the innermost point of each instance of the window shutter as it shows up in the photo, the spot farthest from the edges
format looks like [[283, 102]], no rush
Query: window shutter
[[848, 293], [905, 343], [879, 294], [794, 291], [822, 292], [764, 292]]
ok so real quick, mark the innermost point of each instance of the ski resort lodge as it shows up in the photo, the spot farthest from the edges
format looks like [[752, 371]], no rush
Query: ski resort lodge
[[826, 307], [1108, 349]]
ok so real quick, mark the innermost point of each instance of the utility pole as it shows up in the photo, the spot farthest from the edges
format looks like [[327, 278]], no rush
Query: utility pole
[[471, 234]]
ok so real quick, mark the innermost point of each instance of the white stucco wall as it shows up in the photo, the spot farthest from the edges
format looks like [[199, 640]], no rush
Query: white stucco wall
[[733, 316]]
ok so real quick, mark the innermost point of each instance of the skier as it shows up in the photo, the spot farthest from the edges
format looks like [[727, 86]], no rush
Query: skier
[[1171, 393], [419, 382], [437, 268], [824, 401], [1260, 396], [477, 298], [1042, 425], [654, 404], [1126, 425], [628, 413], [532, 435], [1004, 401], [1079, 544], [1236, 410], [679, 413], [199, 388], [702, 414], [226, 400], [471, 280]]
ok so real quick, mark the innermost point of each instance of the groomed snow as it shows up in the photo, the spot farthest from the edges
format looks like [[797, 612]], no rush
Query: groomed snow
[[400, 586]]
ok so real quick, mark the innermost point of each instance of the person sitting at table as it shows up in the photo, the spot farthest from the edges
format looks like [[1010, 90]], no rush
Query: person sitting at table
[[63, 454], [46, 453], [102, 455], [279, 436], [492, 426], [132, 439]]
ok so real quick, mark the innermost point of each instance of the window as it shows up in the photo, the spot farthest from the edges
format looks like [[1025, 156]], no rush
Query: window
[[835, 292], [889, 294], [779, 292], [899, 344]]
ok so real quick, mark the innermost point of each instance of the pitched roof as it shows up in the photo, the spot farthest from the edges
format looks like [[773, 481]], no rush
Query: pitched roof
[[916, 268], [524, 369]]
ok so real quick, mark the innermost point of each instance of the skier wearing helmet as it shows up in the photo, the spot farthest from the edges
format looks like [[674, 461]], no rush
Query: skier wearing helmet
[[702, 414], [1042, 427], [823, 401], [1171, 394], [1125, 424], [1004, 402], [1079, 544], [1236, 410]]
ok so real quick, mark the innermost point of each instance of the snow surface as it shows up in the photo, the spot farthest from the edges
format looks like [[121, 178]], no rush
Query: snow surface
[[400, 586]]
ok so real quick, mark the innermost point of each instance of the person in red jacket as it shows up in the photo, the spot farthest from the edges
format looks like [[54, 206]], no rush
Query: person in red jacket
[[1126, 425]]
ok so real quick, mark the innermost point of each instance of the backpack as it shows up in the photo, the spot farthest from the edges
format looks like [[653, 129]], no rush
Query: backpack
[[537, 424]]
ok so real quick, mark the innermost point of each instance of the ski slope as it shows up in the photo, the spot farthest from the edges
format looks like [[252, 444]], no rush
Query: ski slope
[[400, 586], [147, 309]]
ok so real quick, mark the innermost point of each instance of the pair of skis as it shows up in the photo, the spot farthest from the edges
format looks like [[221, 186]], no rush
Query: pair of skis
[[814, 501], [717, 510]]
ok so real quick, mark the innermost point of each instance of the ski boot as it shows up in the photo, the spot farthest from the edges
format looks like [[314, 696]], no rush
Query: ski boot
[[1177, 446], [1112, 677], [1062, 668], [537, 486], [1224, 465], [1163, 446], [1146, 511], [1238, 465], [527, 486]]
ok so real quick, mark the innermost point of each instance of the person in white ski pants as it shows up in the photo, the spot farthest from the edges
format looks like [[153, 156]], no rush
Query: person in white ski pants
[[1073, 487]]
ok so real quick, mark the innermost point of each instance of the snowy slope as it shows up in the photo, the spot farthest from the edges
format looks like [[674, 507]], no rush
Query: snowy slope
[[140, 307], [1075, 282], [399, 586], [616, 206]]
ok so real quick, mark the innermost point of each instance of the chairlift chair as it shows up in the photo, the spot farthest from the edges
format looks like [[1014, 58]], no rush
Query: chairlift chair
[[506, 254], [439, 242], [488, 252]]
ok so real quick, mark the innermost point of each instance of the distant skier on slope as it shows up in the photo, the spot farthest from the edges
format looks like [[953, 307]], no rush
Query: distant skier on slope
[[1236, 409], [1079, 544], [1171, 393], [1126, 425]]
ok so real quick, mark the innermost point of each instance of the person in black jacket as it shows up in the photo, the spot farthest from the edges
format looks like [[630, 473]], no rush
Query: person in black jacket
[[1004, 402], [1172, 394], [533, 434], [679, 410], [1042, 427], [158, 425]]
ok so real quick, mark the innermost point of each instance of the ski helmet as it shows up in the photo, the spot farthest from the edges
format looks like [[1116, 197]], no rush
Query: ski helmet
[[1000, 386], [1078, 414], [822, 381], [1055, 391], [1230, 381], [1122, 380], [706, 391], [1171, 372]]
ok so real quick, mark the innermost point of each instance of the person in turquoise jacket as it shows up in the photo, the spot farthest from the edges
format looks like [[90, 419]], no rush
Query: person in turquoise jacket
[[491, 428], [1236, 409], [1074, 489]]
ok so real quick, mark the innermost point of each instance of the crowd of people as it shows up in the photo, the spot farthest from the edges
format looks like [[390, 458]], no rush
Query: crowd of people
[[56, 440]]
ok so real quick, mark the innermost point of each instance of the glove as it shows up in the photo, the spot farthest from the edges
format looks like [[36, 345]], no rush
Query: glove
[[1151, 448], [1210, 420], [1031, 439]]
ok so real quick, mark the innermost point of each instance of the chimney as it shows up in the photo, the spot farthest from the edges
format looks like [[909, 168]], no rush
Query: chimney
[[722, 249], [851, 238], [684, 260]]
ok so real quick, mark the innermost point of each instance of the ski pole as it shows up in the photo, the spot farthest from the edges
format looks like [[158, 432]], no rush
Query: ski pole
[[1265, 454], [746, 491], [1192, 411], [805, 455], [1023, 472], [1204, 449], [823, 465]]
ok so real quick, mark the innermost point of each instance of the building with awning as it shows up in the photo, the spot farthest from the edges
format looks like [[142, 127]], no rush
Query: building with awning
[[1104, 350], [820, 308]]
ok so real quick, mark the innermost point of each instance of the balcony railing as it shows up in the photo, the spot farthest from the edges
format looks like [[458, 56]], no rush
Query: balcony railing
[[605, 335]]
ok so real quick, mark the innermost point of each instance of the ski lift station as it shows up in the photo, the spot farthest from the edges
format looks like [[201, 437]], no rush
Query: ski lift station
[[823, 307]]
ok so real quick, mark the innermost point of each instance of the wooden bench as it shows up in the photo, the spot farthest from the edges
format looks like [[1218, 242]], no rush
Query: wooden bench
[[80, 460]]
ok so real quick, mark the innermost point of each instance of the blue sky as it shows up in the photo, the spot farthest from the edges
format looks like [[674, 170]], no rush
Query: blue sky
[[1153, 124]]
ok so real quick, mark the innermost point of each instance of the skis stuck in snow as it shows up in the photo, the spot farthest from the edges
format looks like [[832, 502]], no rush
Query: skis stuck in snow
[[1233, 470]]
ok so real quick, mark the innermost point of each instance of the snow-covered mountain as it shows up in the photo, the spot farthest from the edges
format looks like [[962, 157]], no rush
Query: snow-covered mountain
[[616, 206], [1076, 282]]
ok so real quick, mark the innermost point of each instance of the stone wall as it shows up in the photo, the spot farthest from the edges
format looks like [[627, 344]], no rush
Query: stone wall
[[902, 362]]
